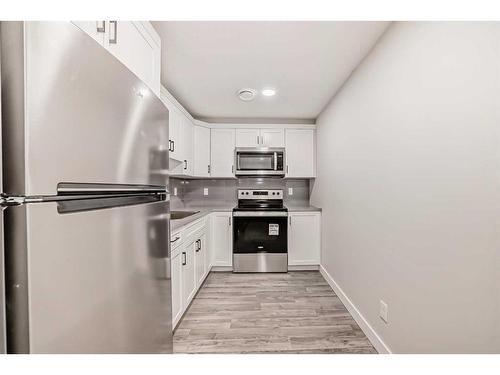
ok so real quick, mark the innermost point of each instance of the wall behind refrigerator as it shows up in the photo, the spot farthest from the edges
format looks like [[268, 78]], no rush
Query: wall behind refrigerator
[[408, 180]]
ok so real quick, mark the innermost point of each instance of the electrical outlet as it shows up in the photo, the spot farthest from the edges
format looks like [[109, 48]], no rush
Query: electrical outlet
[[175, 191], [290, 191], [384, 310], [205, 191]]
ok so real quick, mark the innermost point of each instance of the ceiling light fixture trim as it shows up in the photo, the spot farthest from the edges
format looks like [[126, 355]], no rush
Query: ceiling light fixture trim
[[246, 94]]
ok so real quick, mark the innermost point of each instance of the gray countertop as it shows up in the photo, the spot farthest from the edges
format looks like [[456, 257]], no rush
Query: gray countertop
[[302, 208], [203, 211]]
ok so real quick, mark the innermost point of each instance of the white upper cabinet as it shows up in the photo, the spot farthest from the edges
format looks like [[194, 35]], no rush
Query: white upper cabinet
[[95, 29], [186, 147], [260, 137], [304, 238], [201, 151], [138, 47], [272, 137], [300, 153], [222, 152], [247, 137], [136, 44], [175, 132]]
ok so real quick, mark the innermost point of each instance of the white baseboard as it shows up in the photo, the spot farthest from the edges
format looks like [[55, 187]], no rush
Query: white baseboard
[[303, 268], [221, 269], [374, 338]]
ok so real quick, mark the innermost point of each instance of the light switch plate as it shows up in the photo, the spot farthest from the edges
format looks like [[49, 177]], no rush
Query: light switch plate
[[175, 191], [384, 311], [205, 191], [290, 191]]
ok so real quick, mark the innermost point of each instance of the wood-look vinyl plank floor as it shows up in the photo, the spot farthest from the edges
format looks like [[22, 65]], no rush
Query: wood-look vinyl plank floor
[[296, 312]]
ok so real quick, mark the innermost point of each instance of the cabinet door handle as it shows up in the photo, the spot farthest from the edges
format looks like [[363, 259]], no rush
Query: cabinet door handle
[[290, 221], [208, 168], [114, 39], [200, 243], [169, 145], [185, 164], [101, 29], [229, 220], [232, 168], [184, 260], [175, 239]]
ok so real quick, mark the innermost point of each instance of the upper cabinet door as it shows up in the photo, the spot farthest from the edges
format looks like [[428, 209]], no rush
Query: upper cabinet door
[[187, 145], [247, 137], [95, 29], [300, 153], [272, 138], [174, 132], [222, 152], [201, 151], [137, 46]]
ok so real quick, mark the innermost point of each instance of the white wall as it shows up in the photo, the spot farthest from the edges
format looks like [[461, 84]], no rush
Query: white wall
[[408, 179]]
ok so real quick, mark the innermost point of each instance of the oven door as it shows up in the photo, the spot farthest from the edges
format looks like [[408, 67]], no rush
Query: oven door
[[259, 234]]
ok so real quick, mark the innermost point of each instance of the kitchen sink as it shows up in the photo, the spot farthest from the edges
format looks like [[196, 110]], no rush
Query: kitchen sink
[[177, 215]]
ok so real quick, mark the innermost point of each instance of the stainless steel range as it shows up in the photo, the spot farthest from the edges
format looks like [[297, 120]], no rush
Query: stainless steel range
[[260, 242]]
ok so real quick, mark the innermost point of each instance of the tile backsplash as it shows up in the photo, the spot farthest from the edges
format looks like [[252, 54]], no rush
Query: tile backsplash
[[223, 192]]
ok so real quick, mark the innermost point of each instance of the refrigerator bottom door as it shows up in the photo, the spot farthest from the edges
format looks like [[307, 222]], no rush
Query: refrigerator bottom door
[[99, 281], [3, 344]]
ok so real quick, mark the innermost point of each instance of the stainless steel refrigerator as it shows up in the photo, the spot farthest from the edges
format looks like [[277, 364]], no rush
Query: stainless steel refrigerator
[[85, 206]]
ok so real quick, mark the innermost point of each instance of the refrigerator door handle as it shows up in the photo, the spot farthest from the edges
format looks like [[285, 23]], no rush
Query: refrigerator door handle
[[75, 188], [76, 197]]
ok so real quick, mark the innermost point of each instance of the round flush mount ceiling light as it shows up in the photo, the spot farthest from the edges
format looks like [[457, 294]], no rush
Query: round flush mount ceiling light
[[269, 92], [246, 94]]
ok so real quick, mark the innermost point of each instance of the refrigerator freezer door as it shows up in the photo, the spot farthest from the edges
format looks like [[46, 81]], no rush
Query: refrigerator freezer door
[[89, 119]]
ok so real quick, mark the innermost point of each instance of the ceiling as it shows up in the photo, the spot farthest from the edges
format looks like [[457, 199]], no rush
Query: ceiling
[[204, 64]]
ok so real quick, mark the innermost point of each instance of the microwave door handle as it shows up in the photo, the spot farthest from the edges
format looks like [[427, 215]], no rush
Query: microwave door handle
[[237, 161], [275, 160]]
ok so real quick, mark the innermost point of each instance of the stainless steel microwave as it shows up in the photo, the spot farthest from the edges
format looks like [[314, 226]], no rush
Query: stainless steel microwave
[[260, 161]]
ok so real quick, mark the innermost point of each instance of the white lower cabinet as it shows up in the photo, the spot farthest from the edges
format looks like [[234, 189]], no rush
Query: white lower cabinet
[[190, 264], [304, 238], [200, 254], [222, 236], [176, 265], [188, 272]]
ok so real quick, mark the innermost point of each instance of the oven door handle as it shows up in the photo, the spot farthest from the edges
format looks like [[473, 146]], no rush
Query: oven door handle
[[260, 214]]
